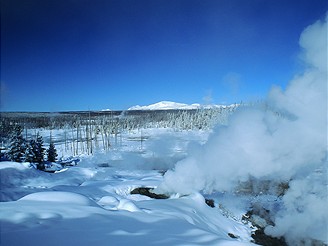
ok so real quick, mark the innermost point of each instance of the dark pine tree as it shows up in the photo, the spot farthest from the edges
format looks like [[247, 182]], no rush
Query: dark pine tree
[[17, 146], [30, 153], [39, 152], [52, 153]]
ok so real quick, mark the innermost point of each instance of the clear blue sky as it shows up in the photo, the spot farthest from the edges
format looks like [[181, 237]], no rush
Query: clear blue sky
[[59, 55]]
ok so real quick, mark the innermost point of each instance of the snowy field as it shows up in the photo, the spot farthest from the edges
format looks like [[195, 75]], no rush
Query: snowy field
[[91, 204]]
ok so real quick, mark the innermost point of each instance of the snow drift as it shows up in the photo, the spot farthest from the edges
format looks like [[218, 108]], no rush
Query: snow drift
[[285, 141], [99, 210]]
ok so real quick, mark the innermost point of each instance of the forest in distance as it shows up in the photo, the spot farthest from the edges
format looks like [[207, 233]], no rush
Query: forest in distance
[[83, 132], [129, 119]]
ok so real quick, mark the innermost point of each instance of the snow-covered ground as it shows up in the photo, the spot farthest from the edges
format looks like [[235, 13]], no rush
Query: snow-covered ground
[[91, 204]]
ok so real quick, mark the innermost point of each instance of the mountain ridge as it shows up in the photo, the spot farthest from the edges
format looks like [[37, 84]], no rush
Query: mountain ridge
[[167, 105]]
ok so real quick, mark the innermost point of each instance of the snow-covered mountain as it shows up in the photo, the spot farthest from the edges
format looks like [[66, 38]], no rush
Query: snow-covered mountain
[[165, 105]]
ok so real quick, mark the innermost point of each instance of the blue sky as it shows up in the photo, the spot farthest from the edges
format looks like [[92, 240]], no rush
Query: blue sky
[[59, 55]]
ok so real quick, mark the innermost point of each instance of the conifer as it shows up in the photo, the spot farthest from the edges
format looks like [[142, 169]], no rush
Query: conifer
[[17, 145], [52, 153]]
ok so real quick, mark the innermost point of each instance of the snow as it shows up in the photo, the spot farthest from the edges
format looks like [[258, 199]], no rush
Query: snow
[[167, 105], [57, 196], [90, 203], [14, 165], [87, 204]]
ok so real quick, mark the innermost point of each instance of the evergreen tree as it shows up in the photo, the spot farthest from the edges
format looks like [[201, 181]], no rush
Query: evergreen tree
[[52, 152], [30, 153], [39, 152], [34, 152], [17, 145]]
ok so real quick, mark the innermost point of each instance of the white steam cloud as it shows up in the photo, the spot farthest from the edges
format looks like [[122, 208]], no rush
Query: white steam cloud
[[285, 141]]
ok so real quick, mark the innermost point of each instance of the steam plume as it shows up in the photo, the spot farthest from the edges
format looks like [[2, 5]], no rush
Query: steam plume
[[285, 141]]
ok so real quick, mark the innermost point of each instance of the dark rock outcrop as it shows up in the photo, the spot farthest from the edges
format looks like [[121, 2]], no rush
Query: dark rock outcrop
[[260, 218], [146, 191], [210, 202]]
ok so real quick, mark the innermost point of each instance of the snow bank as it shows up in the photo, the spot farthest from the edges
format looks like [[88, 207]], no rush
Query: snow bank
[[127, 205], [58, 196], [95, 214], [14, 165], [14, 177], [109, 202]]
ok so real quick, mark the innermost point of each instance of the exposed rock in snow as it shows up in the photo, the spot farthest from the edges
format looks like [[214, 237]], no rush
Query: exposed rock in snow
[[147, 192]]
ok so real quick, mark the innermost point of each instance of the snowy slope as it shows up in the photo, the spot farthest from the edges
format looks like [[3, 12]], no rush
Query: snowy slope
[[166, 105], [89, 205]]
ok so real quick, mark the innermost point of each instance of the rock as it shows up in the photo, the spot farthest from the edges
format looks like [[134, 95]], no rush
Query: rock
[[103, 165], [258, 221], [210, 202], [262, 239], [260, 218], [232, 235], [145, 191]]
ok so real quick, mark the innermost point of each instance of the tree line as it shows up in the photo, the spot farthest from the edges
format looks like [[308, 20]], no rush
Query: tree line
[[202, 118], [84, 132]]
